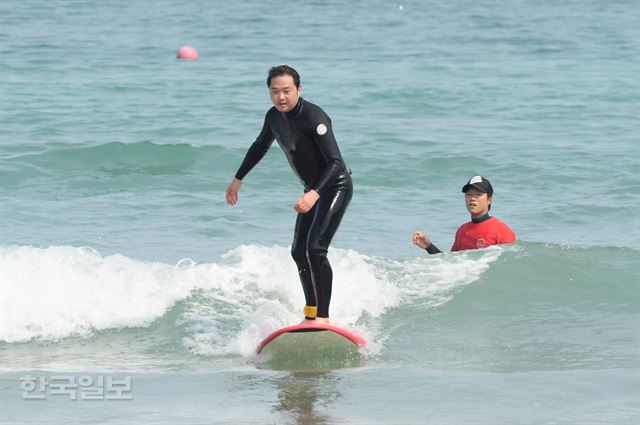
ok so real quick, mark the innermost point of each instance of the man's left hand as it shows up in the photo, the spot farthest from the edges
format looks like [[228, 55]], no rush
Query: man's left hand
[[306, 202]]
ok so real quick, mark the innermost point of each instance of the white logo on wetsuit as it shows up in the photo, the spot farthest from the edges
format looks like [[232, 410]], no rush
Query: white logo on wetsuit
[[481, 243], [321, 129]]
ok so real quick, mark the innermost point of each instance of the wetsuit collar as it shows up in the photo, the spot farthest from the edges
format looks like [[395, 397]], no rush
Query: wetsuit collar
[[481, 219], [295, 110]]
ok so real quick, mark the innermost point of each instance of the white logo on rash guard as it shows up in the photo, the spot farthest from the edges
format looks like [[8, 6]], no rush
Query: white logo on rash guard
[[321, 129]]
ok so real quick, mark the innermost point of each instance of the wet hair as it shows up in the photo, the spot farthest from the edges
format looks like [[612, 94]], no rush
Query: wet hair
[[281, 70]]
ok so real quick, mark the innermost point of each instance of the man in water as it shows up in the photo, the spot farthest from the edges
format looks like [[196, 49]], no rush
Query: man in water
[[304, 133], [483, 230]]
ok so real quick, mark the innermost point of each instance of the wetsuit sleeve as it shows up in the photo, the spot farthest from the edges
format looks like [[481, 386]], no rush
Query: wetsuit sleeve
[[257, 150], [432, 249], [322, 135]]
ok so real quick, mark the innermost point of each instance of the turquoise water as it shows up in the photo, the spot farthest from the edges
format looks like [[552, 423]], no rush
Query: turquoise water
[[120, 258]]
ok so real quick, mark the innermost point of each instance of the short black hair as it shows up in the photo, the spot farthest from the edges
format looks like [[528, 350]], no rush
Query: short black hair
[[280, 70]]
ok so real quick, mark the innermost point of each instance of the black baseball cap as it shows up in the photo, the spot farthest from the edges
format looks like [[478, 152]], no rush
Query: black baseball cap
[[479, 183]]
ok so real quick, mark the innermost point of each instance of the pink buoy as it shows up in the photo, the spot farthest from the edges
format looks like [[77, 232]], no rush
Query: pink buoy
[[188, 53]]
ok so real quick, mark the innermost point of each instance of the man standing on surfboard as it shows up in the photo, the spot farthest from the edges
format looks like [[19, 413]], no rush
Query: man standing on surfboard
[[483, 230], [303, 131]]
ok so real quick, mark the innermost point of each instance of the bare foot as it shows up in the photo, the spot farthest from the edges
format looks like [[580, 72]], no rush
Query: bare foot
[[308, 322], [322, 320]]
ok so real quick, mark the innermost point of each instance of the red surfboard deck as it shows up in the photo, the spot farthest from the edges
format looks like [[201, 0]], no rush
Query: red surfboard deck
[[351, 336]]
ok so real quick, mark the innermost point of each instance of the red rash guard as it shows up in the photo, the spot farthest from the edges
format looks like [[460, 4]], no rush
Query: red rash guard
[[482, 233]]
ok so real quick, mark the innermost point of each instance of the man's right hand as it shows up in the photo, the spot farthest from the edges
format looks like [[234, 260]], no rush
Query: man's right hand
[[232, 191], [421, 240]]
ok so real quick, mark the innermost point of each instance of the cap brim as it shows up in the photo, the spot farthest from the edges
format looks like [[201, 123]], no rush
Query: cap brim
[[480, 189]]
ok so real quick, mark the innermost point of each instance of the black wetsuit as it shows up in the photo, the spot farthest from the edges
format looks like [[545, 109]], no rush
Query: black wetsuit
[[306, 137]]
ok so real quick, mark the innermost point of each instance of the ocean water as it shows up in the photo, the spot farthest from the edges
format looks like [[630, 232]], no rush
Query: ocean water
[[119, 259]]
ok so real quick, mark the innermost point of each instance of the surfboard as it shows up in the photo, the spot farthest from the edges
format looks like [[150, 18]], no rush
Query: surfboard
[[323, 334]]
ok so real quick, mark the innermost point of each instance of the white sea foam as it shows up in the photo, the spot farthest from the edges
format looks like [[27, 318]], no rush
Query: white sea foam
[[432, 280], [262, 292], [61, 291], [229, 305]]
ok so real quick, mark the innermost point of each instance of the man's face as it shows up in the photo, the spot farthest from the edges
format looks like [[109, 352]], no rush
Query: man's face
[[477, 202], [284, 93]]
